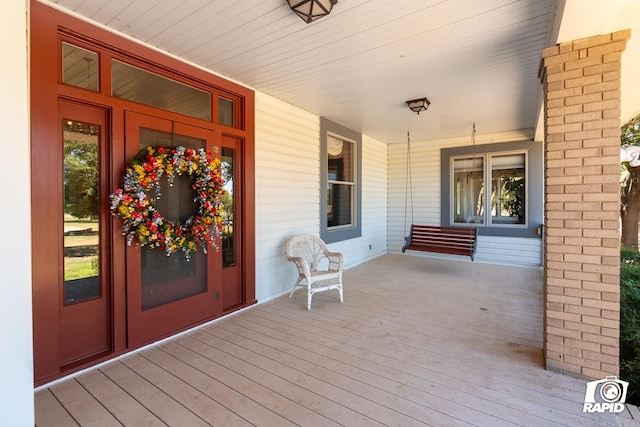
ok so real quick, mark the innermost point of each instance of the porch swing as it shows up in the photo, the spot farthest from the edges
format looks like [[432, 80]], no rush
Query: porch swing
[[432, 238]]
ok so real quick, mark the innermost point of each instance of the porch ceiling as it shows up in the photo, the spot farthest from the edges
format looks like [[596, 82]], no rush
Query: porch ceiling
[[475, 61]]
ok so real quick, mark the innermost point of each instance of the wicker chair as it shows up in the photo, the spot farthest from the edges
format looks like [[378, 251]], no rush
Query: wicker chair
[[318, 269]]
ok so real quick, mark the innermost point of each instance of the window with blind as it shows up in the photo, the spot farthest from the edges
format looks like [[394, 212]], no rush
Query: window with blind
[[340, 189]]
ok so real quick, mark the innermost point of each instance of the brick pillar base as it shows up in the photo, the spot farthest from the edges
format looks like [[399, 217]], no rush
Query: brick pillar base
[[582, 205]]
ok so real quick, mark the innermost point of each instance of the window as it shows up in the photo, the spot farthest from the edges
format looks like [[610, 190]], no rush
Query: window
[[79, 67], [468, 190], [507, 182], [226, 111], [340, 178], [138, 85], [508, 189], [340, 183], [496, 187]]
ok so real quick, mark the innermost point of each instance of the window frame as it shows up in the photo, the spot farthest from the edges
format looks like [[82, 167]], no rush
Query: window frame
[[331, 234], [533, 211]]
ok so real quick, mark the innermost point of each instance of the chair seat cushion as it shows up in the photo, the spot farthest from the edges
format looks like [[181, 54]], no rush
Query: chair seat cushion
[[323, 275]]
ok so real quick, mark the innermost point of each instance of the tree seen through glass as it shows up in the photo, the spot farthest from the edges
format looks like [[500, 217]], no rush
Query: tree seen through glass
[[81, 211]]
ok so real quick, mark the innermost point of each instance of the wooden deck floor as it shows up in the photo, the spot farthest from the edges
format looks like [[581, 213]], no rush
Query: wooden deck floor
[[418, 341]]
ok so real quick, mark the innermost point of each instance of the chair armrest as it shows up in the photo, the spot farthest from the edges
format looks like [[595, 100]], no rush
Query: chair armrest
[[336, 261], [301, 265]]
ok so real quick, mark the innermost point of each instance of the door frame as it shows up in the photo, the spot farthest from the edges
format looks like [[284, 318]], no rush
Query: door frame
[[49, 27]]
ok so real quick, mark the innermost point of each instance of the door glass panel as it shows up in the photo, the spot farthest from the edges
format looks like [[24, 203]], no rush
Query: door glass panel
[[166, 279], [138, 85], [81, 211], [228, 212], [79, 67]]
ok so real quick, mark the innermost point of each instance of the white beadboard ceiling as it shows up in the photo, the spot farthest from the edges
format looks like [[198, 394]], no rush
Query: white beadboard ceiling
[[476, 61]]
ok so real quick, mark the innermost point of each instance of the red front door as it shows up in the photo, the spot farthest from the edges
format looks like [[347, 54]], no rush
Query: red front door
[[166, 294]]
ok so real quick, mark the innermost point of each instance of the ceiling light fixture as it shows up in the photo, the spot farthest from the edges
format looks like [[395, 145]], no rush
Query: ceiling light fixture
[[310, 10], [417, 105]]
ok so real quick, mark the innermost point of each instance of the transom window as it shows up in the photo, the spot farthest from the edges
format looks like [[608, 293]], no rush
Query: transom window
[[81, 66], [142, 86]]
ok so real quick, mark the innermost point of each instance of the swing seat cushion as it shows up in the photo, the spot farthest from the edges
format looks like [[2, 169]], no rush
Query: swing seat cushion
[[445, 240]]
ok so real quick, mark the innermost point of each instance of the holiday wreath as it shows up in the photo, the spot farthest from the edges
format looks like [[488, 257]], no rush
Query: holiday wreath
[[142, 222]]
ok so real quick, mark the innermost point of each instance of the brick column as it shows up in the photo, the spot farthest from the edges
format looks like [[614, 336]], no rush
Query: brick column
[[582, 205]]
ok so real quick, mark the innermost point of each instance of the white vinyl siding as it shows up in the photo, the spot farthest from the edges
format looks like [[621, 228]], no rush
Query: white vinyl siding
[[509, 250], [288, 193], [287, 187]]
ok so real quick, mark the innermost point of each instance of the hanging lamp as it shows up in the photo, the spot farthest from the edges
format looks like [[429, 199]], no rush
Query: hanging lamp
[[310, 10], [418, 105]]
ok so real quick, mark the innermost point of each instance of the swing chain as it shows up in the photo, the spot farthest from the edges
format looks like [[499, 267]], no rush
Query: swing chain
[[408, 191]]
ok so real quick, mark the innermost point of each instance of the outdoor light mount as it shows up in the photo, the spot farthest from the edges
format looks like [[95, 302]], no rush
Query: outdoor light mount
[[310, 10], [418, 105]]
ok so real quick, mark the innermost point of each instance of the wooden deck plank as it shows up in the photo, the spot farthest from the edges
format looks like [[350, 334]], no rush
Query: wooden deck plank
[[634, 412], [84, 407], [377, 344], [151, 397], [265, 371], [260, 419], [493, 361], [127, 410], [442, 397], [417, 341], [234, 401], [248, 387], [409, 383], [49, 411], [378, 403], [197, 402], [456, 355]]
